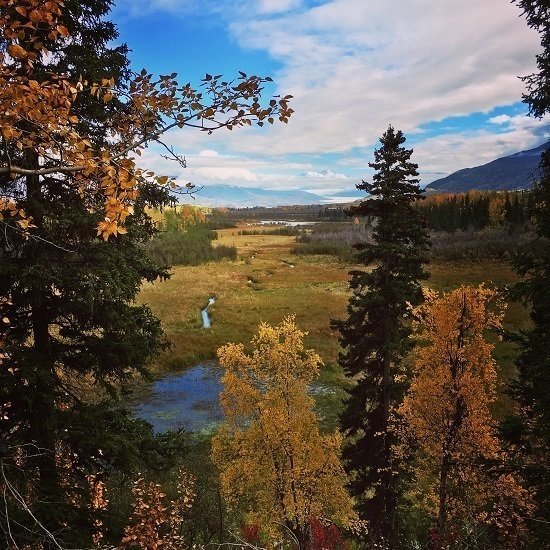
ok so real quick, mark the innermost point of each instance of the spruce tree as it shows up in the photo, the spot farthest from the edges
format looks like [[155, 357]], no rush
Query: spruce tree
[[531, 388], [530, 430], [72, 318], [375, 336]]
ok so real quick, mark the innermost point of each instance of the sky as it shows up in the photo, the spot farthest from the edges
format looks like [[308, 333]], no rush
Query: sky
[[445, 72]]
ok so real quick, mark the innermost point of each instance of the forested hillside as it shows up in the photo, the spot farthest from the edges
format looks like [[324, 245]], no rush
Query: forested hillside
[[508, 173]]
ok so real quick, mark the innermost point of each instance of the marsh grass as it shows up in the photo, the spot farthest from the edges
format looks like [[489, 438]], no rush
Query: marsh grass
[[192, 247]]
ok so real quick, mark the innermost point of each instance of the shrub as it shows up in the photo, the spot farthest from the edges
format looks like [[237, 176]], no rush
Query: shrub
[[342, 251], [192, 247], [490, 242], [287, 230]]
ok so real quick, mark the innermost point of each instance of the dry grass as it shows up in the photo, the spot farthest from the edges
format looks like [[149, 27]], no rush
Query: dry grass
[[260, 286]]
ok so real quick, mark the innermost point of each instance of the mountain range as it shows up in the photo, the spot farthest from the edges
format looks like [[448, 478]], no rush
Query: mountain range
[[506, 173], [503, 174], [240, 197]]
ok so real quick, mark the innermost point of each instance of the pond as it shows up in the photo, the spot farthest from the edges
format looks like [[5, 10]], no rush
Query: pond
[[189, 399]]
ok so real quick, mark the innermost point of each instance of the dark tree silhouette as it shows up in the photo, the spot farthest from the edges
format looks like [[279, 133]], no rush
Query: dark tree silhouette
[[375, 336], [530, 430], [71, 315]]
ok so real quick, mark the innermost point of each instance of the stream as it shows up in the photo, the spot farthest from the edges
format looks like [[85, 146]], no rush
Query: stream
[[206, 322]]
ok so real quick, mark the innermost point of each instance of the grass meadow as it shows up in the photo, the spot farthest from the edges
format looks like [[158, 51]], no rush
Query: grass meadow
[[267, 282]]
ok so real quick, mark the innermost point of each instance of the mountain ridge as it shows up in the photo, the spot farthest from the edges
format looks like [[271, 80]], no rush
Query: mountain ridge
[[508, 173], [234, 196]]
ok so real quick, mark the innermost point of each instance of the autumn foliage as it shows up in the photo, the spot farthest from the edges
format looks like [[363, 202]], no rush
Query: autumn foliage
[[273, 460], [157, 523], [70, 182], [447, 420], [39, 117]]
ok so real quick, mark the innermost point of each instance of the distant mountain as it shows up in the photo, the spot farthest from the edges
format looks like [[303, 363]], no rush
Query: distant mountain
[[353, 192], [503, 174], [242, 197]]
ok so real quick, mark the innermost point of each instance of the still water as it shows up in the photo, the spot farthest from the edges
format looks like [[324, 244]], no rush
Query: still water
[[188, 400]]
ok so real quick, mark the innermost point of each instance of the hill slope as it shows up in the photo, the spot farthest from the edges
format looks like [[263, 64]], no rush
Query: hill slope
[[506, 173]]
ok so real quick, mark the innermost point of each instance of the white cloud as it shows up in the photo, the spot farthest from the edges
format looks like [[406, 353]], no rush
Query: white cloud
[[226, 173], [450, 152], [209, 166], [355, 66], [500, 119], [324, 174], [208, 153], [277, 6]]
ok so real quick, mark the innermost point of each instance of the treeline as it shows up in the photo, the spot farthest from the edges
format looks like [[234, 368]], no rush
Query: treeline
[[219, 218], [286, 231], [475, 210], [303, 212], [471, 225], [307, 212], [333, 213]]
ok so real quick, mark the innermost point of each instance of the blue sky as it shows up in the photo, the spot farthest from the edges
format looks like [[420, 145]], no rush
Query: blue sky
[[443, 71]]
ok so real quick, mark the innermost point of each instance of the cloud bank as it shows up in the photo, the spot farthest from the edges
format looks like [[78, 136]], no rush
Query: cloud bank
[[355, 66]]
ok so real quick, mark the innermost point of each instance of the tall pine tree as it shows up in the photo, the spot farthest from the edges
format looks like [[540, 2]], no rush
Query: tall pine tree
[[375, 336], [71, 312], [532, 386], [69, 317]]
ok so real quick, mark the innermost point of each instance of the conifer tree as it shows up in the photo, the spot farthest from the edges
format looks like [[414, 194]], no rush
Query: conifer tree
[[375, 336], [532, 386], [70, 297], [70, 321]]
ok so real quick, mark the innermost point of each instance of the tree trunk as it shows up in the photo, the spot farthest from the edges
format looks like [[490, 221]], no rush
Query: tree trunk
[[389, 504], [443, 475], [42, 429]]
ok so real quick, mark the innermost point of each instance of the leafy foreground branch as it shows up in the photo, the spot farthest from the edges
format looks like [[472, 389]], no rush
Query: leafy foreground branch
[[43, 135], [74, 120]]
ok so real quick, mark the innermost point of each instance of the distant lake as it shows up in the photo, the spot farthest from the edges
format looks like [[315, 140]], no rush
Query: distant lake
[[285, 222]]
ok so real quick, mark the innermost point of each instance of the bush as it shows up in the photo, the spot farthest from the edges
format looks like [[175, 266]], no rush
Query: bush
[[334, 239], [342, 251], [500, 242], [490, 242], [192, 247], [219, 222], [342, 233], [287, 230]]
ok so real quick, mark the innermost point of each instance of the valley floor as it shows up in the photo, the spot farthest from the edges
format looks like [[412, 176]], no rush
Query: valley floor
[[267, 283]]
